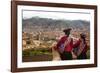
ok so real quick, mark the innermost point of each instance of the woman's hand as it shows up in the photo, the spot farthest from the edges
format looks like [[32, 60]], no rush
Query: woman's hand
[[74, 56]]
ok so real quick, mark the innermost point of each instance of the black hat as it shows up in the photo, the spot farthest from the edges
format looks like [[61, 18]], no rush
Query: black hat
[[67, 30], [83, 35]]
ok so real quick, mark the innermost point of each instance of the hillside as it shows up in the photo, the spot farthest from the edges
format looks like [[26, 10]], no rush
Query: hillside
[[46, 24]]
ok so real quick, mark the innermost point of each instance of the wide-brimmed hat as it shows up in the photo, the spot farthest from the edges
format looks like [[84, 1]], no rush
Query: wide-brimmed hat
[[67, 30]]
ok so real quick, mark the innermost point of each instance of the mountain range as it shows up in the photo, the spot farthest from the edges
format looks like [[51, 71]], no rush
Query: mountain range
[[45, 24]]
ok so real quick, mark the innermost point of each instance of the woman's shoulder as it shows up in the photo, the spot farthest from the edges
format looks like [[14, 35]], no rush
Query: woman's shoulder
[[63, 37]]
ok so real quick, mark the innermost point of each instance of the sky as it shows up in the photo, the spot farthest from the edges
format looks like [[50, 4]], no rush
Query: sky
[[66, 15]]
